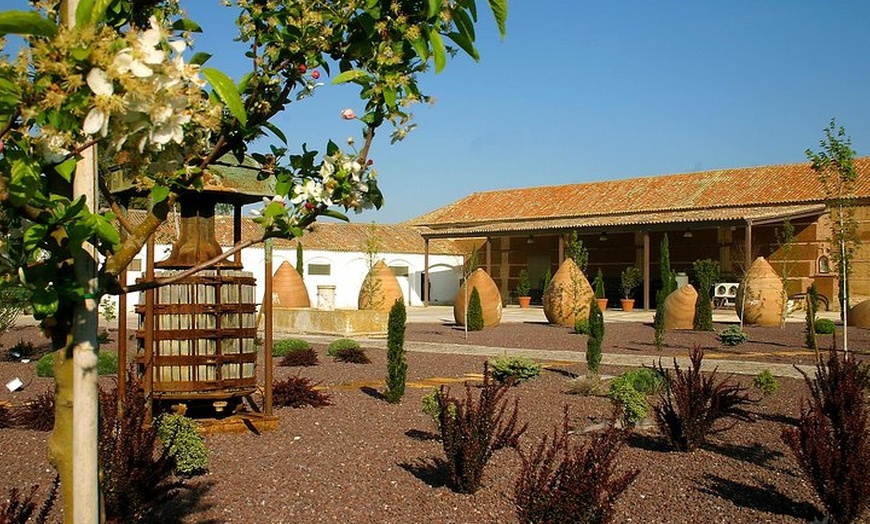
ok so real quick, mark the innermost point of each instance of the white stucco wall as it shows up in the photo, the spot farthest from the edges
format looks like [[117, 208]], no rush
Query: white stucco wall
[[347, 271]]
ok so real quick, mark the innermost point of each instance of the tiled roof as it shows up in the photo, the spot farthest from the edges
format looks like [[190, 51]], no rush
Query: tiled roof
[[642, 200], [326, 236], [697, 217]]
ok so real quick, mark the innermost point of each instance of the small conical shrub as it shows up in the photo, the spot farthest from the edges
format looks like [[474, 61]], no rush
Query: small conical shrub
[[810, 328], [595, 340], [397, 367], [475, 311]]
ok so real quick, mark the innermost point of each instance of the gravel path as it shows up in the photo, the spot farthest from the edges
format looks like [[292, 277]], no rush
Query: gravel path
[[364, 460]]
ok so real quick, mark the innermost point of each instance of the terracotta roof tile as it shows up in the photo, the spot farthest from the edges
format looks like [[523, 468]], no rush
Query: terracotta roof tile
[[326, 236], [753, 186]]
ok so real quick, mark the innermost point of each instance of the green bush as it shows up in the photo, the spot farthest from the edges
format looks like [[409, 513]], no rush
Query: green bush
[[475, 311], [647, 381], [825, 326], [397, 366], [183, 442], [341, 344], [581, 326], [107, 364], [732, 336], [518, 369], [633, 403], [432, 407], [766, 382], [596, 338], [280, 348]]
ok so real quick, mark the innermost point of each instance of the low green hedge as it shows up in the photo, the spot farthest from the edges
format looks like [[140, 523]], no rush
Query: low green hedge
[[107, 364]]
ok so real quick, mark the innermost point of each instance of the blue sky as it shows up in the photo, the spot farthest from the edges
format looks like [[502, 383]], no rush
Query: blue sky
[[580, 91]]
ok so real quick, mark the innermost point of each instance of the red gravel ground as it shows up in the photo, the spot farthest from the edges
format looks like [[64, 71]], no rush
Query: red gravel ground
[[364, 460]]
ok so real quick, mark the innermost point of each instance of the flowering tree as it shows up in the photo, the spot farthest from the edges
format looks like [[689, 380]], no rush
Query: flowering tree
[[120, 74]]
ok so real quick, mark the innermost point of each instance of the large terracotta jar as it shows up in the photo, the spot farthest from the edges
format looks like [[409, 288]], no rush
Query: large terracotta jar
[[490, 299], [680, 308], [380, 289], [859, 314], [760, 296], [569, 295], [289, 288]]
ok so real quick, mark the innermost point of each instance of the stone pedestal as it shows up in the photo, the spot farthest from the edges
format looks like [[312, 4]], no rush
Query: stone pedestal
[[326, 297]]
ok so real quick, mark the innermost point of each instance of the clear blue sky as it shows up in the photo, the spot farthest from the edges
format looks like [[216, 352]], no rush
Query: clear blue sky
[[581, 91]]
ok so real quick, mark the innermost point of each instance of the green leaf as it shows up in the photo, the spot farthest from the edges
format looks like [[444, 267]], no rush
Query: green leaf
[[186, 24], [159, 193], [434, 8], [276, 131], [465, 44], [24, 181], [353, 75], [45, 302], [421, 47], [200, 58], [464, 24], [26, 23], [105, 229], [331, 148], [390, 96], [331, 213], [66, 169], [283, 187], [33, 236], [438, 51], [226, 90], [499, 11], [83, 11]]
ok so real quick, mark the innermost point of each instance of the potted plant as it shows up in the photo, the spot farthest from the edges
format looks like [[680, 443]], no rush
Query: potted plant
[[600, 294], [524, 287], [631, 278]]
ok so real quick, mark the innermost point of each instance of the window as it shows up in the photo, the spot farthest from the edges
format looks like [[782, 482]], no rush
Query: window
[[319, 269], [824, 265], [400, 271]]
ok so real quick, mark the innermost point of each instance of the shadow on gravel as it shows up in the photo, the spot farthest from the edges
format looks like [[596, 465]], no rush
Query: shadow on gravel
[[761, 498], [372, 392], [648, 442], [753, 453], [186, 505], [434, 472], [422, 436]]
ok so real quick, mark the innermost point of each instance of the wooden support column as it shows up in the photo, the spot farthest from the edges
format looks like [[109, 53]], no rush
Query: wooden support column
[[425, 272], [748, 245], [237, 232], [267, 328], [148, 342], [488, 256], [646, 273], [561, 249]]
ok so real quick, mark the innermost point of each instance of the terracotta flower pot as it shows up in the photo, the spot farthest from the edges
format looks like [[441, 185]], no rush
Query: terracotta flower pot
[[289, 289], [380, 289], [524, 302], [602, 303], [763, 294], [627, 304], [680, 308], [490, 299], [568, 295]]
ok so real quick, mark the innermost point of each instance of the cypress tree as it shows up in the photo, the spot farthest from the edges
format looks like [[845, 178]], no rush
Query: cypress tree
[[669, 285], [475, 311], [397, 367], [706, 273], [595, 340], [299, 265], [810, 328]]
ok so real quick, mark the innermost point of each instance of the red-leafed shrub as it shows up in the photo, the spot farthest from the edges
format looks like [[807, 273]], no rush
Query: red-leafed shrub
[[297, 392], [18, 508], [560, 483], [831, 441], [36, 414], [693, 403], [300, 358], [472, 431]]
